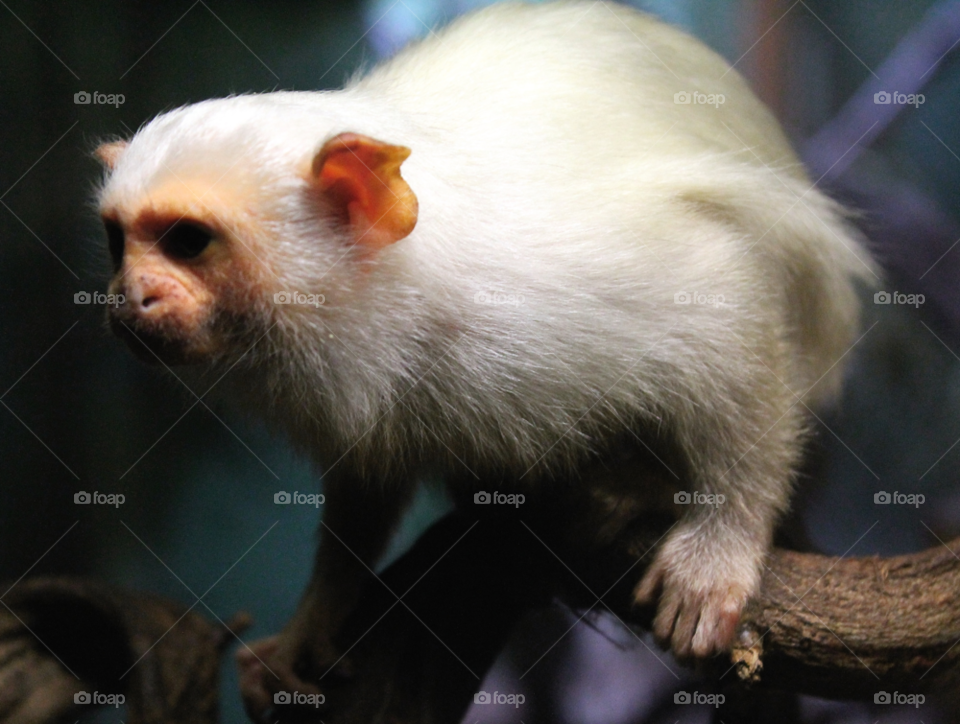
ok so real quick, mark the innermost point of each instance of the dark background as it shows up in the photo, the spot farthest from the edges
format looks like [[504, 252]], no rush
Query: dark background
[[81, 414]]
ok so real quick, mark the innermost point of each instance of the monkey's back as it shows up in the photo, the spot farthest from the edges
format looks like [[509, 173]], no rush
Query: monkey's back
[[611, 76], [559, 132]]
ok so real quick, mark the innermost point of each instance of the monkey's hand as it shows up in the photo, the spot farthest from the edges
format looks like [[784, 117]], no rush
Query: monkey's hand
[[703, 582], [274, 669]]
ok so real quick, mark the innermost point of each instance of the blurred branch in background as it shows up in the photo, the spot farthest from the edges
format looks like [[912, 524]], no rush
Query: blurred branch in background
[[911, 234], [69, 645]]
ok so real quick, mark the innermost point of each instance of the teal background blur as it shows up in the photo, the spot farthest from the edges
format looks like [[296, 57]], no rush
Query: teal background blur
[[81, 414]]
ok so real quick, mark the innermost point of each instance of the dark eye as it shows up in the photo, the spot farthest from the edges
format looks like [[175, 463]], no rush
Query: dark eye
[[114, 242], [186, 240]]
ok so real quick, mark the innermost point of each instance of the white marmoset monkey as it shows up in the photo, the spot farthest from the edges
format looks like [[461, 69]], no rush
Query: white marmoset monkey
[[541, 228]]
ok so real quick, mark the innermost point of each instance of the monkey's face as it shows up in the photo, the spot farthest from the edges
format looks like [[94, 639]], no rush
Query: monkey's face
[[208, 232], [184, 269]]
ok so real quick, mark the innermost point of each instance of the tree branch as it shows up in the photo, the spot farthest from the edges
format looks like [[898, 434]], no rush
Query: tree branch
[[841, 628], [432, 624]]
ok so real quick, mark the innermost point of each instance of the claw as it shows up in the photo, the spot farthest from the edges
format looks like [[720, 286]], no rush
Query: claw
[[699, 606]]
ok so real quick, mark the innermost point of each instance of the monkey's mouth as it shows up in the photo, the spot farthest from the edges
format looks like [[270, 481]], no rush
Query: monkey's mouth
[[153, 346]]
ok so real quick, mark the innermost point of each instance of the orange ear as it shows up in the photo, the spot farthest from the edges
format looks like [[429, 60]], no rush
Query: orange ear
[[361, 176], [109, 153]]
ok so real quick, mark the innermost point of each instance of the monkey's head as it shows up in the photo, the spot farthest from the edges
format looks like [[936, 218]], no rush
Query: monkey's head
[[216, 213]]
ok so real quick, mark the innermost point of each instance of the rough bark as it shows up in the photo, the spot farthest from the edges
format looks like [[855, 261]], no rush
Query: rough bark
[[63, 636], [841, 628]]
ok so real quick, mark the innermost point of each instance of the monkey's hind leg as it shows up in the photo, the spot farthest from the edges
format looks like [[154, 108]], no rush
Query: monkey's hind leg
[[710, 563]]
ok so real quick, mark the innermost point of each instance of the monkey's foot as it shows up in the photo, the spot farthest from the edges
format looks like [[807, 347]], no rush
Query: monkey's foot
[[701, 600], [272, 687]]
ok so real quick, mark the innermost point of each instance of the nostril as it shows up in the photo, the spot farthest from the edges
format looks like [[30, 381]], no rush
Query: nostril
[[149, 301]]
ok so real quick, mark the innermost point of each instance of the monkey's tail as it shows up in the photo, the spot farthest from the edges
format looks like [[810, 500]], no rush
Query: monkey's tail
[[809, 242]]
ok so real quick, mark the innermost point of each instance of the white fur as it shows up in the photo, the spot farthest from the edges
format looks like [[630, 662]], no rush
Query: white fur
[[551, 163]]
